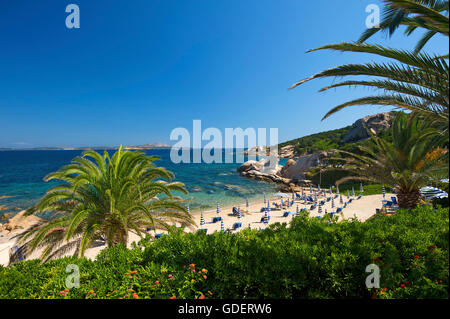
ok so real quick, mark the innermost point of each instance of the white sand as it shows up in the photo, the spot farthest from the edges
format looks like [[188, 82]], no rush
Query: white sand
[[362, 209]]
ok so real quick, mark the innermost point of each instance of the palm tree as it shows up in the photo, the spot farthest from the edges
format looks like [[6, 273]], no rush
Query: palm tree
[[414, 81], [105, 198], [426, 15], [406, 163]]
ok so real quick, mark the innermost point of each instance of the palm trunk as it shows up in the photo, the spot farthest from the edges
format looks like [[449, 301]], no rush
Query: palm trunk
[[408, 199]]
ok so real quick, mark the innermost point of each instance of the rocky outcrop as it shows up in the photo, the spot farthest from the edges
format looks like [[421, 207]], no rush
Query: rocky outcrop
[[269, 171], [19, 221], [296, 171], [287, 151], [374, 124]]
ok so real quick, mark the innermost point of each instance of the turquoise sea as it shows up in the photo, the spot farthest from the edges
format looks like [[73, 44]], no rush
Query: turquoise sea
[[22, 173]]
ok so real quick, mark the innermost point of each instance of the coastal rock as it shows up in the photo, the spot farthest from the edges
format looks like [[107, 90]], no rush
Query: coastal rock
[[374, 123], [296, 171], [20, 221], [287, 151]]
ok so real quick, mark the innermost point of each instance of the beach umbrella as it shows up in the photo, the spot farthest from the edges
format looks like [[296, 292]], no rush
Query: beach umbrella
[[297, 212], [266, 217], [265, 200], [282, 203], [222, 226], [315, 197], [310, 189], [239, 213], [303, 192], [353, 191], [348, 194], [318, 188], [293, 196], [337, 189], [332, 202], [432, 192], [331, 191], [445, 180], [320, 208], [246, 203], [218, 209], [188, 211], [202, 220], [383, 191], [341, 201], [361, 189]]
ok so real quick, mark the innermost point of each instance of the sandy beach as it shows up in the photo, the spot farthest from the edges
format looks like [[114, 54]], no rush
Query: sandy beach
[[361, 209]]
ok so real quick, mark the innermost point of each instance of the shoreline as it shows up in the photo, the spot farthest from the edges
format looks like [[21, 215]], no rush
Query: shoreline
[[362, 209]]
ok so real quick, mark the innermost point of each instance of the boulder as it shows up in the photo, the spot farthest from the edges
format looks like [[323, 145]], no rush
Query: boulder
[[374, 123], [303, 164], [287, 151]]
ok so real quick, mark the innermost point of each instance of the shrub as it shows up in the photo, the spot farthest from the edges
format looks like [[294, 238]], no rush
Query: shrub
[[310, 259]]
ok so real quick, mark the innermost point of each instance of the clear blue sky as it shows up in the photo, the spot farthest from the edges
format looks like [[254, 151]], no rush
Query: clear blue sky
[[136, 69]]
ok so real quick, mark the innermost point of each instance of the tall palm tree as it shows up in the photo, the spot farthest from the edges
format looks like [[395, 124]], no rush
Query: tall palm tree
[[426, 15], [411, 160], [105, 198], [414, 81]]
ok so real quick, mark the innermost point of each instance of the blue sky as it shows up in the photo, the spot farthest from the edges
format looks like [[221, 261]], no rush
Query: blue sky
[[137, 69]]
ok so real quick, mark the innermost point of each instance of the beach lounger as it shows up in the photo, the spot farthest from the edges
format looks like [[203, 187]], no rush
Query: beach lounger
[[286, 214], [359, 197], [157, 236], [235, 211], [262, 219], [237, 225], [328, 199], [312, 207], [338, 210], [216, 219]]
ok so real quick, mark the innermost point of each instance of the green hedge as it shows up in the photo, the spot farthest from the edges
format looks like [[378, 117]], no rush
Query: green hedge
[[310, 259]]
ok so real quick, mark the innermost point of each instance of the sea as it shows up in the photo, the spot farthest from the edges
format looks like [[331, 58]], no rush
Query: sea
[[209, 184]]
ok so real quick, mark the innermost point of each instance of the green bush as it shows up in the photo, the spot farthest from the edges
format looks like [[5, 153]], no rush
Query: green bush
[[310, 259]]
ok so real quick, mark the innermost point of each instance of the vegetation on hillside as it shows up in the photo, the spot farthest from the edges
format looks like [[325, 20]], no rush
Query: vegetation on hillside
[[310, 259], [318, 142]]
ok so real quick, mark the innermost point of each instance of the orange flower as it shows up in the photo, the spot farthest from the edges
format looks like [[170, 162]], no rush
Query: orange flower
[[173, 297], [91, 291], [202, 296], [204, 270], [135, 296], [157, 282], [210, 292]]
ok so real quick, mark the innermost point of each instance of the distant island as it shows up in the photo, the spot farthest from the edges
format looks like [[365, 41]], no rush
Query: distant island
[[125, 147]]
